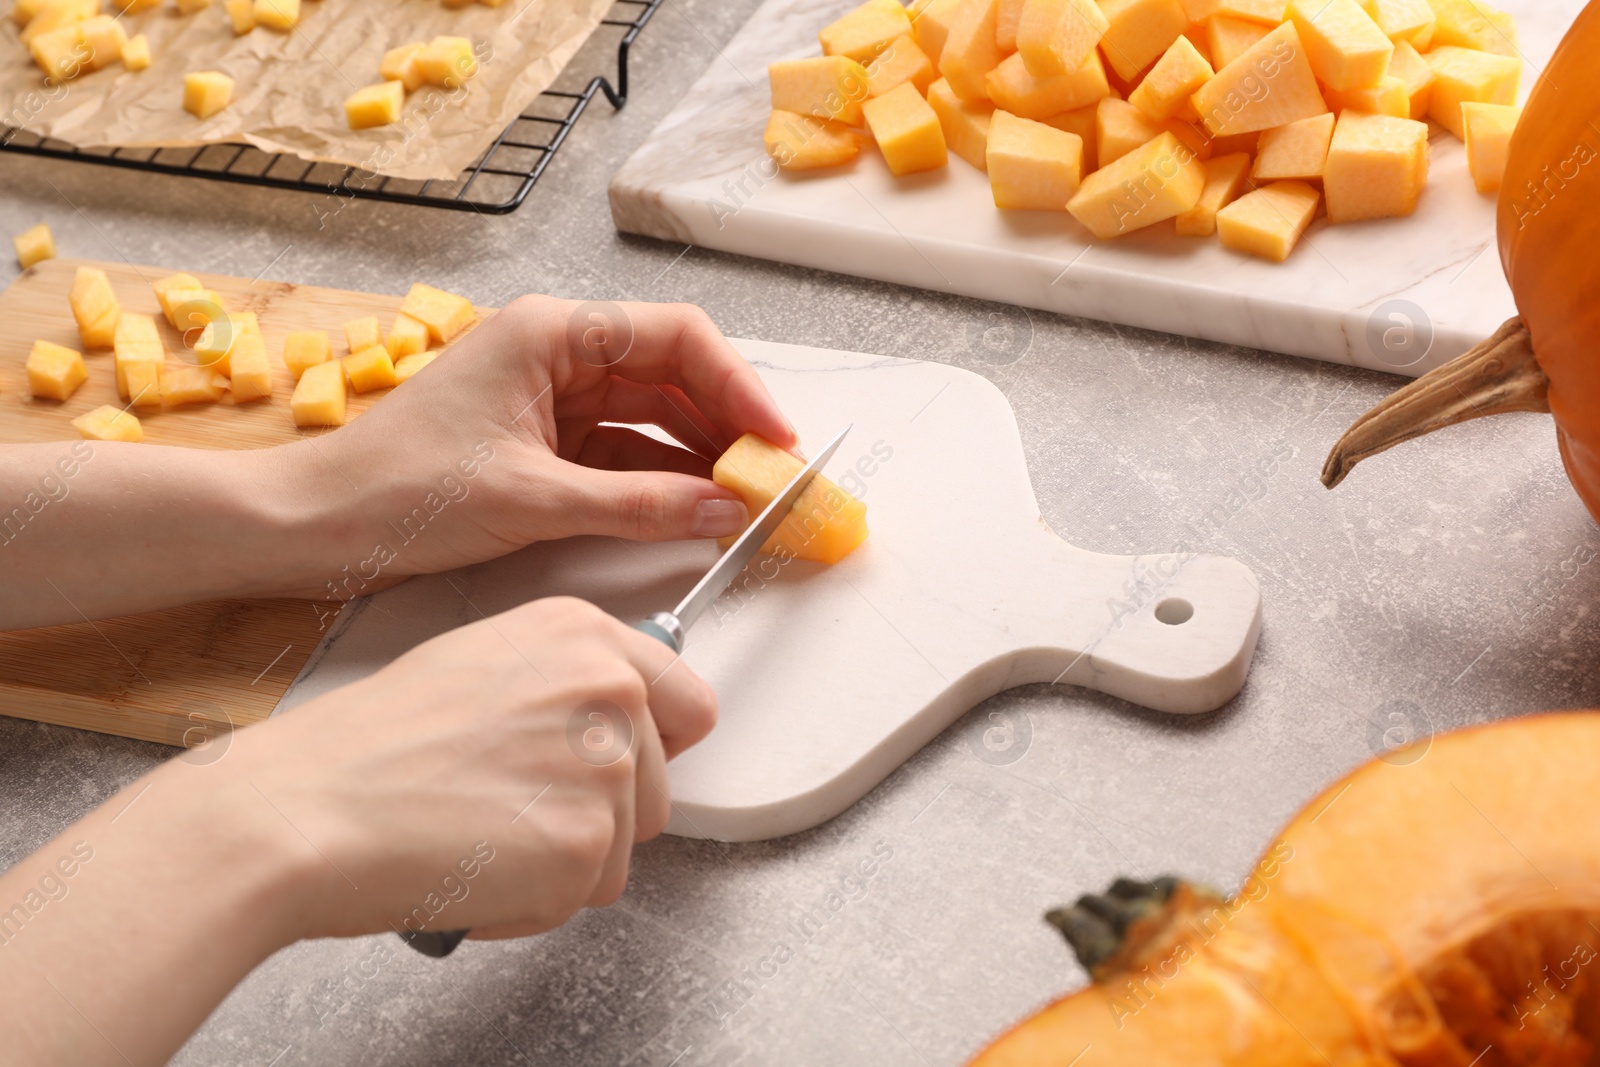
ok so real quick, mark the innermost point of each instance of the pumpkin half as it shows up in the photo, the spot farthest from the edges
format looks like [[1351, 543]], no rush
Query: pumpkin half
[[1549, 233], [1437, 910]]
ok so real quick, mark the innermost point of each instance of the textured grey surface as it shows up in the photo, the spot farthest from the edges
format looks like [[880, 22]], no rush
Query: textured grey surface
[[1447, 583]]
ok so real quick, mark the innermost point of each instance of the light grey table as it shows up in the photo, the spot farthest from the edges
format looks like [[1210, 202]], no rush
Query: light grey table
[[1448, 583]]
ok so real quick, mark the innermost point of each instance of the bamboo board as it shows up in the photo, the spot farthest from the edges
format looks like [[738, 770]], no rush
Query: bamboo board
[[181, 675]]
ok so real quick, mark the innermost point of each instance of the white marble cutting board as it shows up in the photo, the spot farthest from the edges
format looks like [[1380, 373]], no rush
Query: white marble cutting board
[[702, 178], [831, 677]]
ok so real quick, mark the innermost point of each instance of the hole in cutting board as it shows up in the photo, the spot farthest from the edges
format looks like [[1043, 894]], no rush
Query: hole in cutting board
[[1174, 612]]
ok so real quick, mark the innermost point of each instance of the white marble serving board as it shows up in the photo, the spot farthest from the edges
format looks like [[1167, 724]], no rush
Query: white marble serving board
[[831, 677], [702, 178]]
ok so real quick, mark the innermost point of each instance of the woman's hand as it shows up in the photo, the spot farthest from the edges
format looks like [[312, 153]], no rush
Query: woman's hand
[[499, 443], [469, 784]]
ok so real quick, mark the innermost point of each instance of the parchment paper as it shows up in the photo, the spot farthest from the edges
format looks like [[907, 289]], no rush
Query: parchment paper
[[290, 89]]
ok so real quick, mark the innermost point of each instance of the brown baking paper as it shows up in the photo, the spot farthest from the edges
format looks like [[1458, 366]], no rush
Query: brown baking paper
[[290, 89]]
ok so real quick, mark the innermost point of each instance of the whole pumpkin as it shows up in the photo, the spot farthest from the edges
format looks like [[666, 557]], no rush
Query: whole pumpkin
[[1439, 907], [1549, 233]]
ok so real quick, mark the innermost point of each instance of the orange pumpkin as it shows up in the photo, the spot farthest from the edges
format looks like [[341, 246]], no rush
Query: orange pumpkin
[[1549, 231], [1439, 907]]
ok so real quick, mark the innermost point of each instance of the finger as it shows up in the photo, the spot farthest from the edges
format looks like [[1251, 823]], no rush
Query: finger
[[665, 406], [677, 344], [614, 874], [683, 706], [648, 505], [615, 448], [651, 806]]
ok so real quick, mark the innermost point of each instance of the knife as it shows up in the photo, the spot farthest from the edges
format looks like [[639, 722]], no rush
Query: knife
[[671, 627]]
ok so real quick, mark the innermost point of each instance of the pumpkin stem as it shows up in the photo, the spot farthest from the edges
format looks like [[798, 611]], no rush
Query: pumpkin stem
[[1112, 931], [1498, 376]]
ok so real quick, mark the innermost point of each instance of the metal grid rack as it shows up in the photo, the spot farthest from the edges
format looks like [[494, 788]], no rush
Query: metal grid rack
[[496, 184]]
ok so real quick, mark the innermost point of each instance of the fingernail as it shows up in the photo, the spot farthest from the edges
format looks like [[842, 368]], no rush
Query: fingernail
[[719, 518]]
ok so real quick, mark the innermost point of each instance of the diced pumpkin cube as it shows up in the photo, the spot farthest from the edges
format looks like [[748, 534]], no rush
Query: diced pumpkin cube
[[1377, 166], [206, 92], [805, 142], [965, 123], [406, 366], [369, 369], [193, 310], [1172, 81], [1057, 36], [375, 105], [143, 380], [1388, 97], [1032, 167], [907, 131], [972, 50], [241, 15], [1271, 84], [135, 7], [828, 87], [280, 15], [34, 245], [1014, 88], [246, 322], [100, 41], [1082, 123], [190, 7], [448, 62], [1473, 24], [216, 341], [363, 333], [1296, 151], [826, 523], [930, 24], [319, 397], [1414, 72], [249, 369], [1346, 48], [136, 57], [1226, 177], [1268, 222], [1138, 32], [183, 384], [305, 348], [865, 31], [1229, 37], [406, 336], [23, 11], [1411, 21], [1148, 185], [164, 287], [1268, 12], [1119, 128], [57, 53], [54, 372], [56, 16], [445, 314], [399, 64], [901, 62], [1488, 128], [95, 307], [108, 423], [136, 339], [1467, 76]]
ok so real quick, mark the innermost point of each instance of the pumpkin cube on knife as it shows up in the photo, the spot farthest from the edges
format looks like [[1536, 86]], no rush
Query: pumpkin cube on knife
[[826, 523]]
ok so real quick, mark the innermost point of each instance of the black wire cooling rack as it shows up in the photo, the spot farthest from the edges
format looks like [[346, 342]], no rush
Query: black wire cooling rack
[[496, 184]]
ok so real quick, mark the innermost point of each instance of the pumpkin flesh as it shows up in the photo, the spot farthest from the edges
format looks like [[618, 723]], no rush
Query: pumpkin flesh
[[1443, 912]]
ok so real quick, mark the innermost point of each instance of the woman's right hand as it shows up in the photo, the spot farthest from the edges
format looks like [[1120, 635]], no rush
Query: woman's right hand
[[495, 777]]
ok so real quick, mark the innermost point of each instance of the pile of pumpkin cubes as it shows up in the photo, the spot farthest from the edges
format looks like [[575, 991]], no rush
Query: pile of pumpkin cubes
[[1239, 118], [225, 354]]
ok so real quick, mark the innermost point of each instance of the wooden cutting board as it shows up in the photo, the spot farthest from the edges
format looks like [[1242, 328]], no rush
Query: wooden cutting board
[[173, 676], [1398, 295], [831, 677]]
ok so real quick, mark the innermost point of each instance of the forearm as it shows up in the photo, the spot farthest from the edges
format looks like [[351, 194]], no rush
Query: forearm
[[91, 530], [119, 937]]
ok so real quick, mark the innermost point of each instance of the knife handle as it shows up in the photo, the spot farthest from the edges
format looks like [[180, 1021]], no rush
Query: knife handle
[[435, 943], [664, 627]]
